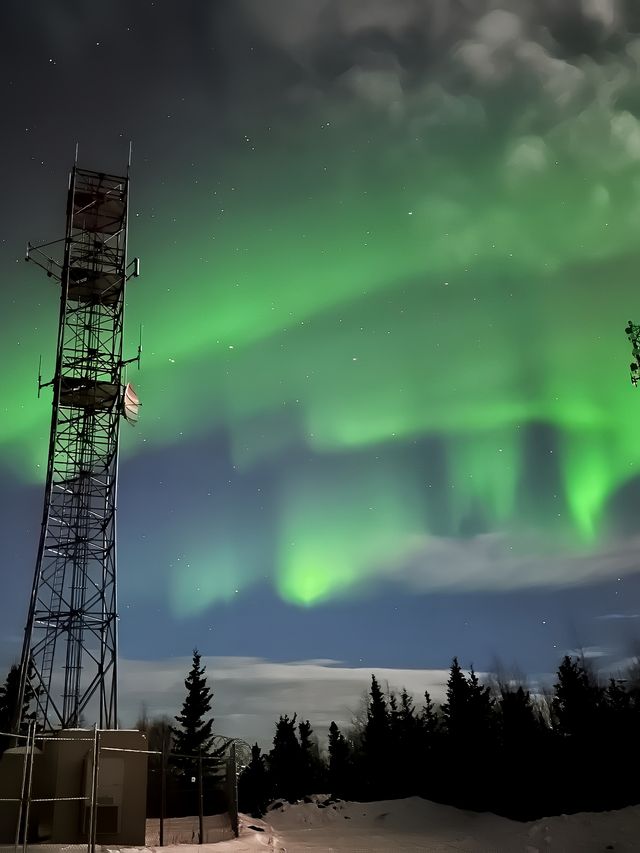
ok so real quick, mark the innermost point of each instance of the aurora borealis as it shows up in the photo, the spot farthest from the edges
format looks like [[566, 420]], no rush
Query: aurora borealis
[[388, 252]]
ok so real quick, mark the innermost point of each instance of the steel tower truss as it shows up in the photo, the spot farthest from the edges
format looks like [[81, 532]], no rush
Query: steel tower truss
[[69, 657]]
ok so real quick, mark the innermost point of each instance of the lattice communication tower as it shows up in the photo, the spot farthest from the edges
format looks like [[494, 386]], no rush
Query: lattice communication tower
[[69, 657]]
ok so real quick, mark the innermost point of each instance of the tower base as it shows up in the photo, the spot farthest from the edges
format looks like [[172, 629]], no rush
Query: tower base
[[63, 775]]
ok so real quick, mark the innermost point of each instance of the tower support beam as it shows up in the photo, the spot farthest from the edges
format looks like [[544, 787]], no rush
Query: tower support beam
[[69, 656]]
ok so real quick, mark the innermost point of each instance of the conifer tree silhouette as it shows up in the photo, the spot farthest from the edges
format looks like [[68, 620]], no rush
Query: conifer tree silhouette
[[406, 746], [429, 722], [9, 695], [193, 736], [520, 724], [376, 743], [313, 774], [254, 785], [455, 711], [481, 717], [339, 762], [577, 699], [285, 760], [579, 712]]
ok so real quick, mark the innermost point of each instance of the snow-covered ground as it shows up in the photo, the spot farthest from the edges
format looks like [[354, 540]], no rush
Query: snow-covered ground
[[412, 825], [418, 826], [409, 826]]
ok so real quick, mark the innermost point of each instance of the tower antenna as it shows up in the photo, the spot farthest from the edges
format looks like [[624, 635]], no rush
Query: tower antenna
[[69, 656]]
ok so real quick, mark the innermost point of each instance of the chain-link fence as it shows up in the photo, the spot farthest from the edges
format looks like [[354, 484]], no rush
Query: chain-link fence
[[191, 800], [95, 787]]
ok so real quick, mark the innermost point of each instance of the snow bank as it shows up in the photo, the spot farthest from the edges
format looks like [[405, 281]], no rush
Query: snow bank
[[409, 826], [419, 826]]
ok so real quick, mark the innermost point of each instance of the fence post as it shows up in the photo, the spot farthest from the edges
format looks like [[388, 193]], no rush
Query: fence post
[[93, 807], [95, 821], [23, 791], [30, 752], [232, 784], [163, 789], [200, 799]]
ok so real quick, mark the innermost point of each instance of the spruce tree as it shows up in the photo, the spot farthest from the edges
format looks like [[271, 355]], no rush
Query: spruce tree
[[285, 760], [428, 777], [406, 746], [392, 710], [429, 722], [377, 726], [253, 785], [621, 711], [468, 711], [621, 722], [455, 710], [406, 723], [582, 753], [523, 743], [577, 699], [312, 769], [306, 756], [520, 724], [193, 736], [339, 763], [481, 716], [468, 716], [376, 743], [9, 694]]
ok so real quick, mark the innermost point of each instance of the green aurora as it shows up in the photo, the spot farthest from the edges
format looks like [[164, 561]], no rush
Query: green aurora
[[333, 306]]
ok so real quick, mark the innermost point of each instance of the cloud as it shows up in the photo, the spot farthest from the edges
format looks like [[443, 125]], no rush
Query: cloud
[[296, 24], [604, 12], [617, 616], [314, 25], [381, 87], [589, 652], [393, 18], [529, 156], [495, 561], [251, 693], [411, 60], [291, 25]]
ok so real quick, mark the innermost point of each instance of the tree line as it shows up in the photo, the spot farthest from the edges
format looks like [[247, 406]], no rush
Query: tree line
[[489, 747]]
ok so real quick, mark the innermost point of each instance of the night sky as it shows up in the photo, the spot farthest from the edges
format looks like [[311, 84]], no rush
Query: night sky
[[389, 249]]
